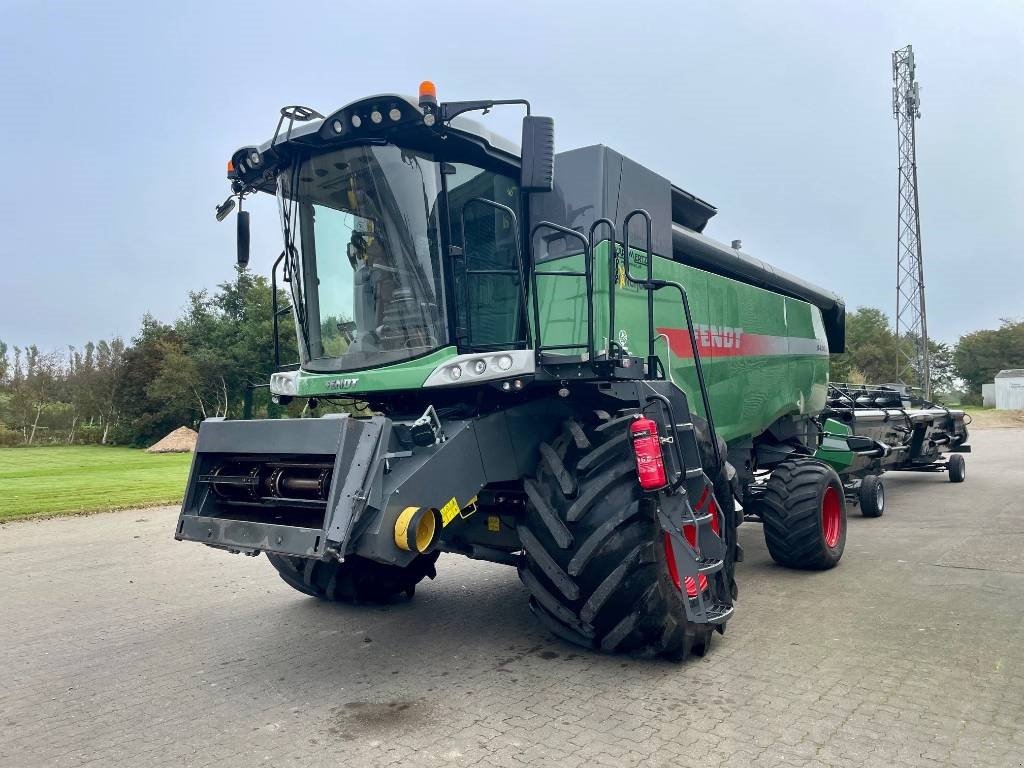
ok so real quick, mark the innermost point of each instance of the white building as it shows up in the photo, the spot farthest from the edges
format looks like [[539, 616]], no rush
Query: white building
[[1010, 390], [988, 395]]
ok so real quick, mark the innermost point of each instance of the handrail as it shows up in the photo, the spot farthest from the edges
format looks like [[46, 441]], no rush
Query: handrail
[[274, 309], [648, 226], [588, 274], [653, 285], [612, 279], [518, 272]]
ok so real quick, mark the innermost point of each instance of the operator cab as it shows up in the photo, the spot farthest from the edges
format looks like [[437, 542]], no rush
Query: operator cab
[[402, 226]]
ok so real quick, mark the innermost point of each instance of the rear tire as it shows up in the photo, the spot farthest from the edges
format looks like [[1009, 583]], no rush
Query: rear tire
[[871, 496], [595, 561], [356, 580], [957, 468], [804, 514]]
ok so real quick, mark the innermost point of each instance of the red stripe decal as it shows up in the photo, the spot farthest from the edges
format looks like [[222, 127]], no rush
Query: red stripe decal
[[719, 341]]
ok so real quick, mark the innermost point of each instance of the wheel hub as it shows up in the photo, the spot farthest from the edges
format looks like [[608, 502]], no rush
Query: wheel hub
[[831, 517]]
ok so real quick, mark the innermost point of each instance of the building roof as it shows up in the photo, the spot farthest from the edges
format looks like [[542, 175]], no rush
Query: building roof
[[1011, 373]]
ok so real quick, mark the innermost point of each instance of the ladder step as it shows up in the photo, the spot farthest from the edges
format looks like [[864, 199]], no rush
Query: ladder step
[[708, 565], [693, 474], [718, 613], [687, 427]]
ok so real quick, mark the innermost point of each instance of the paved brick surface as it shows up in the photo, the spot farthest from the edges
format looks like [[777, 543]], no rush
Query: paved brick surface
[[121, 647]]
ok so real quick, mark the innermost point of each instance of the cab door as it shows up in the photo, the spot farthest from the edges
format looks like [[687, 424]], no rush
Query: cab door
[[486, 264]]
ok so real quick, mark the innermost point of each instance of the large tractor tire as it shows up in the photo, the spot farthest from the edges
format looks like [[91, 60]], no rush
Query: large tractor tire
[[804, 514], [595, 561], [357, 580]]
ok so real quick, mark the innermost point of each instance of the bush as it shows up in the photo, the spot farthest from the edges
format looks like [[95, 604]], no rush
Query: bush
[[86, 435], [10, 437]]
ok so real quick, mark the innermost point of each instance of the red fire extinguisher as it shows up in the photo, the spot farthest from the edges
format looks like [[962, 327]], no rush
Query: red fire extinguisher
[[650, 464]]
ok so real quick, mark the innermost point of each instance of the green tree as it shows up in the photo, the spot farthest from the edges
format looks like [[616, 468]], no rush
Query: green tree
[[979, 356], [870, 348]]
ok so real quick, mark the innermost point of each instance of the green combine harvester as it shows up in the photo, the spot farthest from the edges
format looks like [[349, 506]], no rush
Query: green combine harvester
[[547, 365]]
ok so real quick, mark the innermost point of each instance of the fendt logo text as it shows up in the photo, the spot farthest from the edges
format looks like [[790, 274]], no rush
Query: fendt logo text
[[342, 383], [718, 336]]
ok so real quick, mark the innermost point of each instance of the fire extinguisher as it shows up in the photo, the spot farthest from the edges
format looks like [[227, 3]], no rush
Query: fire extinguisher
[[650, 464]]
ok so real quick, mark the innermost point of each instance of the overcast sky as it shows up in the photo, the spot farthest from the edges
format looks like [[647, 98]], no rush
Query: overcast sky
[[120, 118]]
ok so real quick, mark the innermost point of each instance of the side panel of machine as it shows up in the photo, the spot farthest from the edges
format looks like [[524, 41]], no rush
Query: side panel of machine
[[764, 354]]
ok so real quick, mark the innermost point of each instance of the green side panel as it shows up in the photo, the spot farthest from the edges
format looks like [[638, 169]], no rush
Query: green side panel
[[409, 374], [834, 449], [764, 355]]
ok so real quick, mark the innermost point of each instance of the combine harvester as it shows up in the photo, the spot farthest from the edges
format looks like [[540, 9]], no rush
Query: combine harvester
[[548, 366]]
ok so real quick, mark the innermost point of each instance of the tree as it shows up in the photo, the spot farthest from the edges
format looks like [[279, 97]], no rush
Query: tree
[[941, 367], [144, 419], [979, 356], [870, 348]]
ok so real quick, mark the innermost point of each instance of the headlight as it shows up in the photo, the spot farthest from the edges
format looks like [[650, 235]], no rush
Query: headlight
[[479, 366], [284, 383], [455, 372], [504, 362]]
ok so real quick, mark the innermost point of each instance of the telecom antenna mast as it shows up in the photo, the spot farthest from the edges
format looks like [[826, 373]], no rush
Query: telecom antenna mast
[[911, 320]]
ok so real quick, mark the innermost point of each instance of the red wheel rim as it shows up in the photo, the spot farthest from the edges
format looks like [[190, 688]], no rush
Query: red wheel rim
[[831, 517]]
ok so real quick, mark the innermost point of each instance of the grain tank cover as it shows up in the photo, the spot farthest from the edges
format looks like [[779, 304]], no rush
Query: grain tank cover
[[597, 182]]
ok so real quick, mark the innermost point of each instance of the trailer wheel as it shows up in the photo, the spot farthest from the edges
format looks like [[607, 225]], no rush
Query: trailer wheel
[[357, 580], [595, 562], [871, 496], [957, 468], [804, 514]]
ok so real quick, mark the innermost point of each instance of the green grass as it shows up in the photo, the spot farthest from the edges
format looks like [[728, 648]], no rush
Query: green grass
[[36, 482]]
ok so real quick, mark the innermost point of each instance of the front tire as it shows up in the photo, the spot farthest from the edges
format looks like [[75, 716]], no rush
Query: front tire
[[871, 496], [356, 580], [595, 562], [804, 515]]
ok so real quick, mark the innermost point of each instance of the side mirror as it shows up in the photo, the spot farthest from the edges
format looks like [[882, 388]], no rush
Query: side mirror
[[538, 154], [243, 238]]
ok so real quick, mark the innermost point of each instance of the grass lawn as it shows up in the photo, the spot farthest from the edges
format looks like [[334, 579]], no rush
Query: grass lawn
[[55, 480]]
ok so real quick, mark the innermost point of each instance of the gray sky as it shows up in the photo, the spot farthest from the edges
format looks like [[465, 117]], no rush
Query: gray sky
[[120, 118]]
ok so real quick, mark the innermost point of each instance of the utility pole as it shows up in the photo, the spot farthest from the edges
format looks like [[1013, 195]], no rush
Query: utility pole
[[911, 319]]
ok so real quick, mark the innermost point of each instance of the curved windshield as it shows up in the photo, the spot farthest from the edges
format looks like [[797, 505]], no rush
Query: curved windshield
[[361, 230]]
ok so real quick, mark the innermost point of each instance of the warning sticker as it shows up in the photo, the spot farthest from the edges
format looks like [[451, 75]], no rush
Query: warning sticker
[[449, 511]]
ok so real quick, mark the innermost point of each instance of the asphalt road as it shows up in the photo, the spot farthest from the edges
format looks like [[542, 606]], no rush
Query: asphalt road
[[122, 647]]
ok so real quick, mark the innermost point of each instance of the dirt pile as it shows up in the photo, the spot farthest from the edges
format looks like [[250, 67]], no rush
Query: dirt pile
[[181, 440]]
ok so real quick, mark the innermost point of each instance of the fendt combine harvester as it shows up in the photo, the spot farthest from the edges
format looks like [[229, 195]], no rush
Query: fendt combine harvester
[[550, 366]]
